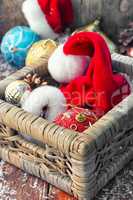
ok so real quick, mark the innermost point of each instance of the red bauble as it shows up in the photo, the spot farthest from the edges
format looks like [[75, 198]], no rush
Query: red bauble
[[77, 119]]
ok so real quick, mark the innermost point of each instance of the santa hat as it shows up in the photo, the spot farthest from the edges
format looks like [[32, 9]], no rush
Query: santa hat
[[48, 17], [99, 87]]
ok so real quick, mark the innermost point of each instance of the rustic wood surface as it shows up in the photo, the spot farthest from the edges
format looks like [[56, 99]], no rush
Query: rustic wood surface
[[10, 14], [116, 15], [17, 185]]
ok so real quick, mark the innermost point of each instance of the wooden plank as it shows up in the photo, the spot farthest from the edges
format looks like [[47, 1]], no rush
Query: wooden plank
[[16, 184]]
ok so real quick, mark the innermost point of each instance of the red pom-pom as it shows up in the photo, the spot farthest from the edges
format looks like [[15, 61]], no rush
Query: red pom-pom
[[77, 119]]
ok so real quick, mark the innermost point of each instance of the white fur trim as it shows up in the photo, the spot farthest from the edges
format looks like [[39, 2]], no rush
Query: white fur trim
[[64, 68], [37, 20], [48, 96]]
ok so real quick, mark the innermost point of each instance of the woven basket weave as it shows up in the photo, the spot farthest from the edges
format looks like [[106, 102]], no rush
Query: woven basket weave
[[79, 164]]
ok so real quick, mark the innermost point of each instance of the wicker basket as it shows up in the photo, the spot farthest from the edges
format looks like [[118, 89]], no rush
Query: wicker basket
[[79, 164]]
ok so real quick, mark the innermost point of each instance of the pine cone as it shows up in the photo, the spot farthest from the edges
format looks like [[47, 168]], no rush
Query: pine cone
[[34, 80], [126, 40]]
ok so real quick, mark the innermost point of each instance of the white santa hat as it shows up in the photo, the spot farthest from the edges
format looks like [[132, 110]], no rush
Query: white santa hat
[[48, 18], [64, 68]]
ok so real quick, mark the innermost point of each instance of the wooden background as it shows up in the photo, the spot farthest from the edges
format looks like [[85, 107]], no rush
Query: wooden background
[[17, 185]]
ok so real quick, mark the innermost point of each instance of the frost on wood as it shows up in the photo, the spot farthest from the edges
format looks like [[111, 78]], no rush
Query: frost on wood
[[5, 191], [17, 185]]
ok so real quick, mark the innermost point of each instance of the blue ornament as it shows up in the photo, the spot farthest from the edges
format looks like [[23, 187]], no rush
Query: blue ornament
[[16, 43]]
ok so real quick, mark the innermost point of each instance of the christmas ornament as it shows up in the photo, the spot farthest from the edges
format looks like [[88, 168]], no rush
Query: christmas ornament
[[16, 91], [39, 53], [99, 87], [64, 68], [47, 101], [77, 119], [95, 27], [16, 43], [48, 18]]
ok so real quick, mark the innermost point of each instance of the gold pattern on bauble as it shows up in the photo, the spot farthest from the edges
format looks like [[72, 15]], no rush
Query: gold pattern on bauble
[[15, 91], [40, 52]]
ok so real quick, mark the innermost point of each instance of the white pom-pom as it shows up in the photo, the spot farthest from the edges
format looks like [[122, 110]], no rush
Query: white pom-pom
[[37, 19], [64, 68], [48, 97]]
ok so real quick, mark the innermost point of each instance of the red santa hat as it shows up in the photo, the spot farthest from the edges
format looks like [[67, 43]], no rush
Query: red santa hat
[[48, 17], [99, 87]]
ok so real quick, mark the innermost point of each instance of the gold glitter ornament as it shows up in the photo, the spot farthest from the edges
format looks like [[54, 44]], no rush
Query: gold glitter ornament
[[40, 52], [16, 90]]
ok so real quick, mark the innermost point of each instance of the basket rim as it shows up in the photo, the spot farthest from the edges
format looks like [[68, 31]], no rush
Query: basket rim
[[117, 59]]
